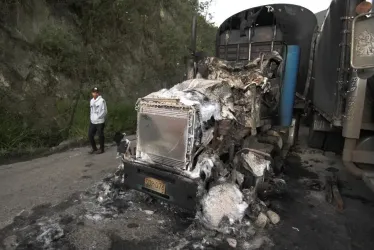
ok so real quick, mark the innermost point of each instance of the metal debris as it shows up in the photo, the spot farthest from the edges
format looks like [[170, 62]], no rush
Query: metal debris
[[332, 192], [336, 194], [328, 189]]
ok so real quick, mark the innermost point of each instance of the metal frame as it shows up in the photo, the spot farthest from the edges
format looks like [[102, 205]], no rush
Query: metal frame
[[277, 45]]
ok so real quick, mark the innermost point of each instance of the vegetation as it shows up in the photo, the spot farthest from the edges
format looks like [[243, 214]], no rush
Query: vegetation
[[127, 47]]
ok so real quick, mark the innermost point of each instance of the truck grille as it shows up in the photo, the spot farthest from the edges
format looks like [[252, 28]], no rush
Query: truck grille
[[166, 112], [165, 133], [167, 161]]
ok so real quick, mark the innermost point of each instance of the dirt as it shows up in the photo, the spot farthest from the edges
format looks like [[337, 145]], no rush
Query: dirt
[[51, 203]]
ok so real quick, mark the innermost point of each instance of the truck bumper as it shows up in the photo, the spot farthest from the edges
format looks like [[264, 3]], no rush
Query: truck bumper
[[179, 190]]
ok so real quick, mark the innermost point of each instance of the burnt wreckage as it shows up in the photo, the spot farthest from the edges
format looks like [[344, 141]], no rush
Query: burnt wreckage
[[210, 142]]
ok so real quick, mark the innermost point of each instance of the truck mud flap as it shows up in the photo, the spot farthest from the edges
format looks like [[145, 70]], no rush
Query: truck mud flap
[[161, 184]]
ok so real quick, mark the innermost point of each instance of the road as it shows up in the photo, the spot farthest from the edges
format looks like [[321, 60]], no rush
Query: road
[[52, 202], [50, 179]]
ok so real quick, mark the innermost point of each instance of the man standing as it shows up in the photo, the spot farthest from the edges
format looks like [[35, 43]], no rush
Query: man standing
[[97, 116]]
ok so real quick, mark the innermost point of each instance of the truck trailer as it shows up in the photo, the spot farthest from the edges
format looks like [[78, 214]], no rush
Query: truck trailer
[[339, 93]]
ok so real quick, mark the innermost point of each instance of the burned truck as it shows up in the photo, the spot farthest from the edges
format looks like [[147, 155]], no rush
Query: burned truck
[[224, 132]]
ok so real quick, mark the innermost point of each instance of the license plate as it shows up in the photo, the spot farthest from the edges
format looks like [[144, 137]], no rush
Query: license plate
[[155, 185]]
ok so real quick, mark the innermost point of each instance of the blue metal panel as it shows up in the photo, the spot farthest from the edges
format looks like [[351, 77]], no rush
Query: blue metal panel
[[289, 84]]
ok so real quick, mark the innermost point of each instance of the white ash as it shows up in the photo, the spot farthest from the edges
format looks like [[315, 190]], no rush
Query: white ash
[[232, 242], [222, 201], [107, 199], [258, 243], [148, 212], [255, 163], [50, 233], [104, 194], [202, 167], [94, 217], [273, 216], [182, 244], [262, 220], [10, 242], [242, 234]]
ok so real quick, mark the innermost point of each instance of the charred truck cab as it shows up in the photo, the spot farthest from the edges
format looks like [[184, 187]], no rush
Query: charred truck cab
[[280, 27], [234, 119]]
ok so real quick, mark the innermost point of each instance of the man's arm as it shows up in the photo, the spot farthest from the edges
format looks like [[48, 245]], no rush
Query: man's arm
[[103, 110]]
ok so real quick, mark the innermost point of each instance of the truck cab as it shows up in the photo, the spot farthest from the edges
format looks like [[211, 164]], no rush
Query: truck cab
[[181, 142]]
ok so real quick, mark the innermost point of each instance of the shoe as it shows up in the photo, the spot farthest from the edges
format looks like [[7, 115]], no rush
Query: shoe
[[100, 151], [92, 151]]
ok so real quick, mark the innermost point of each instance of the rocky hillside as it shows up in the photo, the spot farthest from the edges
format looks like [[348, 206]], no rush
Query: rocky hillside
[[54, 51]]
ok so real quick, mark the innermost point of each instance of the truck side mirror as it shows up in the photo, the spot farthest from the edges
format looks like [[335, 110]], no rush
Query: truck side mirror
[[362, 44]]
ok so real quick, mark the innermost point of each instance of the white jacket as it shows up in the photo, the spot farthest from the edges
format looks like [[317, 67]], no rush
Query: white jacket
[[98, 110]]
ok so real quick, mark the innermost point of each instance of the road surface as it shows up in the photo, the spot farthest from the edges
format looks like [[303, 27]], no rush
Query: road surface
[[52, 202]]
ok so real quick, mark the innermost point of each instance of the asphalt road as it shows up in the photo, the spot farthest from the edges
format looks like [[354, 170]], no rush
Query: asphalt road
[[52, 202], [50, 179]]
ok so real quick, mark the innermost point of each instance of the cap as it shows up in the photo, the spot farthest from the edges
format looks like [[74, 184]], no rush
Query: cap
[[95, 89]]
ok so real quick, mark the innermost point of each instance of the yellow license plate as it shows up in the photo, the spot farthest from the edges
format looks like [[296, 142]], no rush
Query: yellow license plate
[[155, 185]]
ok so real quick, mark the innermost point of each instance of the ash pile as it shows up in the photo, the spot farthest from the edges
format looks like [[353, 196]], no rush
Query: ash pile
[[236, 152]]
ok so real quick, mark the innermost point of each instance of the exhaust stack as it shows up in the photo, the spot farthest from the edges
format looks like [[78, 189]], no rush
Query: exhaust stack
[[191, 60]]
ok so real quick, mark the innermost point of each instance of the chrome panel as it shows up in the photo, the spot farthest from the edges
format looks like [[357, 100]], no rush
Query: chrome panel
[[362, 49], [354, 107]]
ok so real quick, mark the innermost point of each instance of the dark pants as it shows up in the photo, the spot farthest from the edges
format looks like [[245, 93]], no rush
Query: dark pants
[[99, 128]]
